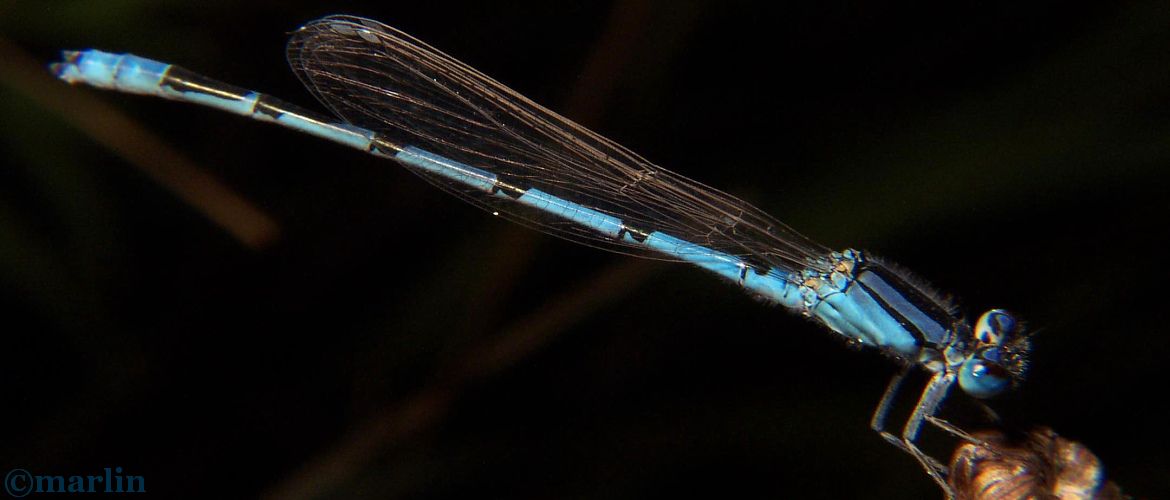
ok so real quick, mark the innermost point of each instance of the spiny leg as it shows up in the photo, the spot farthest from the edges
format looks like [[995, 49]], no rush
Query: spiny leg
[[935, 391], [932, 396], [878, 422]]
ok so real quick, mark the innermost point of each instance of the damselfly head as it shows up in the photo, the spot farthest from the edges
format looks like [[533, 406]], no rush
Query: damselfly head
[[998, 355]]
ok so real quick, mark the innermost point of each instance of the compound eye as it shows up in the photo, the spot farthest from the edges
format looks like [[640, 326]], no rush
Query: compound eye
[[993, 326], [983, 378]]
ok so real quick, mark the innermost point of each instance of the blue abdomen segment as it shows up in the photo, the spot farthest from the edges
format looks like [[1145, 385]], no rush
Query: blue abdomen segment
[[451, 170], [774, 284], [139, 75], [121, 72]]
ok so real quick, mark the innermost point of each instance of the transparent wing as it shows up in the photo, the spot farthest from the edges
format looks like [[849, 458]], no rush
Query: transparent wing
[[381, 79]]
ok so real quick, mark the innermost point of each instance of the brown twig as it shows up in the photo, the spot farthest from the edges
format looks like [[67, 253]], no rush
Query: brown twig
[[1039, 464]]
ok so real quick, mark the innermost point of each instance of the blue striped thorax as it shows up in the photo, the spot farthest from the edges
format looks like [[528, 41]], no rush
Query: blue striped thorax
[[872, 303]]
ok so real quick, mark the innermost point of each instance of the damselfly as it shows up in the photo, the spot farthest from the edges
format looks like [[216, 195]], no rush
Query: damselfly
[[481, 141]]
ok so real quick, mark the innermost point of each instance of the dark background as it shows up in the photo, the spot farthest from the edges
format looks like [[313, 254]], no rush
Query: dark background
[[232, 309]]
